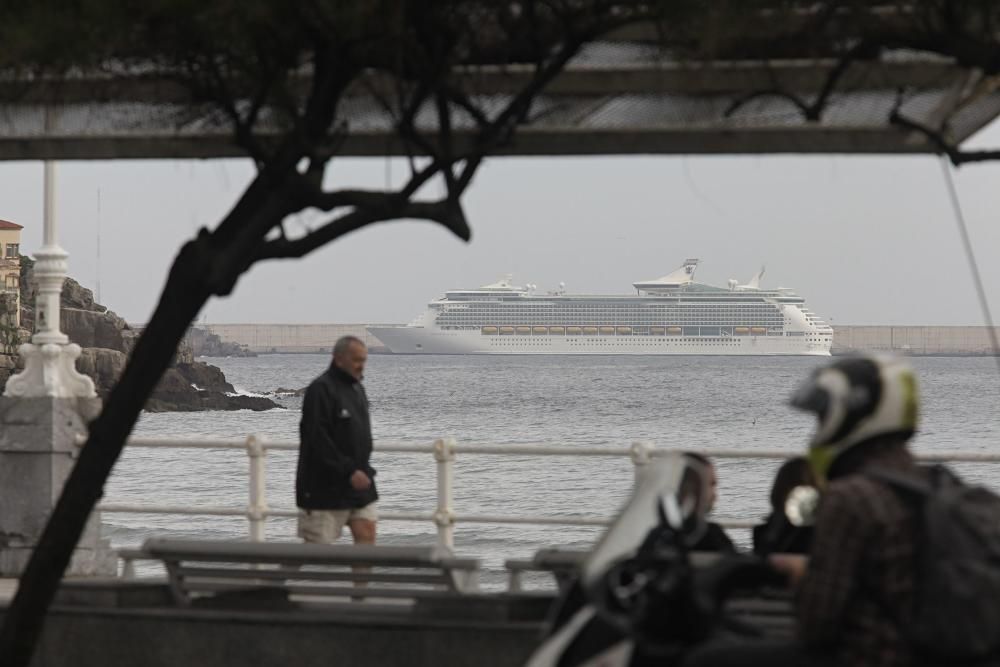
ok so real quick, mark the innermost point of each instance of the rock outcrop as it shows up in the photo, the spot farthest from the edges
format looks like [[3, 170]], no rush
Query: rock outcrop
[[199, 386], [103, 365], [107, 340]]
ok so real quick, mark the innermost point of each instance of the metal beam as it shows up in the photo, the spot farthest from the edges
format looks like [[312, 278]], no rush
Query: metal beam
[[529, 142], [624, 108], [721, 77], [805, 76]]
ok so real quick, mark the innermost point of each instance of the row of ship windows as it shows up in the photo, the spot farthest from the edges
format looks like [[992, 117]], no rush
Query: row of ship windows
[[518, 342], [608, 321], [686, 341], [577, 327], [625, 306], [613, 312], [674, 304], [547, 308], [737, 320], [609, 331], [596, 322], [604, 312], [725, 300], [570, 317], [643, 339]]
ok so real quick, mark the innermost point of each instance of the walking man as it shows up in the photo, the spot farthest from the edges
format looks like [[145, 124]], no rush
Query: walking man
[[334, 482]]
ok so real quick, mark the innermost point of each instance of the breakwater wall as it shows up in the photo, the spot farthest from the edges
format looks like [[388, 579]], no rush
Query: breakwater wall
[[291, 338], [915, 340]]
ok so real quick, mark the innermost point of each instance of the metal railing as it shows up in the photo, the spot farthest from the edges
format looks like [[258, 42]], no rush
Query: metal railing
[[444, 452]]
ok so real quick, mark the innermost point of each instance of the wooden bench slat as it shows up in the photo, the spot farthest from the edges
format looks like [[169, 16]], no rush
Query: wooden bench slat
[[327, 591], [294, 551], [370, 592], [188, 572]]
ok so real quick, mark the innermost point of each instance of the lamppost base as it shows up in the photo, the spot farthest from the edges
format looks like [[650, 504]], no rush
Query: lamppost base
[[49, 370]]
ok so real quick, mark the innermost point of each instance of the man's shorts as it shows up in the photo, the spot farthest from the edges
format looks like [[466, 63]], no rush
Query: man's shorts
[[325, 526]]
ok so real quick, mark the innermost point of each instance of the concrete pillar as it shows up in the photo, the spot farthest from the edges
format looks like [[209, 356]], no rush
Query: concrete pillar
[[37, 451], [43, 410]]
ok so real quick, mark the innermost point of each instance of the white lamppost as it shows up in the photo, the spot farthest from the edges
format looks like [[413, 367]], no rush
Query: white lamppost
[[49, 359]]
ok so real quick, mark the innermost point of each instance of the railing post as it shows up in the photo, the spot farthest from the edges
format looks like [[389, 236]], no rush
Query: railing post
[[641, 453], [257, 509], [444, 517]]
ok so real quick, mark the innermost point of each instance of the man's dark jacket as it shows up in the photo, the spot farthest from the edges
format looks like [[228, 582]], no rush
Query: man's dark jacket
[[335, 439]]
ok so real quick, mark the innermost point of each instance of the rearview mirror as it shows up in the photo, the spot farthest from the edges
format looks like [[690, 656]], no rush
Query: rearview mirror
[[801, 504]]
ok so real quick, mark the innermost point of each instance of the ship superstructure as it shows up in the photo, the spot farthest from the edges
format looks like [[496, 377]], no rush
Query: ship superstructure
[[668, 315]]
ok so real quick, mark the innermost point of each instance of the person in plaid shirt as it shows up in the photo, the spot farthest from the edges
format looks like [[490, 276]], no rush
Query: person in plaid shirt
[[855, 588]]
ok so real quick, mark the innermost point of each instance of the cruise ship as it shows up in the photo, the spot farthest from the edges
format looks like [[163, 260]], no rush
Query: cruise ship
[[669, 315]]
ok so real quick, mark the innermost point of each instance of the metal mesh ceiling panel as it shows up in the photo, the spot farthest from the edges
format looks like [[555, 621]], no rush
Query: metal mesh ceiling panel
[[614, 98]]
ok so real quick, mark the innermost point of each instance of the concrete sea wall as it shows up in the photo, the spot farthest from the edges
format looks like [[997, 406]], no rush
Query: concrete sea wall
[[290, 338], [919, 341]]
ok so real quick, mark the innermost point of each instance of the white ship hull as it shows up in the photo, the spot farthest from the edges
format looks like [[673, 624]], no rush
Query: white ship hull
[[424, 340]]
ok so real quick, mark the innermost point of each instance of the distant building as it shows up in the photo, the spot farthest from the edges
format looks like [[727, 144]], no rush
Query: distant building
[[10, 269]]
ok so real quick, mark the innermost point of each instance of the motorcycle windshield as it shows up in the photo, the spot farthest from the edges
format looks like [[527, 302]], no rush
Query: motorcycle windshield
[[674, 488]]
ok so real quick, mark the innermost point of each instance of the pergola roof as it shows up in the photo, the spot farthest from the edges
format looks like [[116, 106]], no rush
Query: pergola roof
[[614, 98]]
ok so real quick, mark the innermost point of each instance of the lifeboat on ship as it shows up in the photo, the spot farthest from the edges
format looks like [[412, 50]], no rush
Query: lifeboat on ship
[[489, 331]]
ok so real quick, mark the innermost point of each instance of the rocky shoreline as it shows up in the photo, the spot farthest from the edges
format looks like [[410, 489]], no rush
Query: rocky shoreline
[[107, 340]]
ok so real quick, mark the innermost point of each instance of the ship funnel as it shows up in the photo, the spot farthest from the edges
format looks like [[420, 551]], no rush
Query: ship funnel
[[754, 283], [679, 277]]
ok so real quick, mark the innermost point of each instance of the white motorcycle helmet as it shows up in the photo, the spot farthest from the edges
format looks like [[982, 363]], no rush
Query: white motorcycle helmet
[[856, 399]]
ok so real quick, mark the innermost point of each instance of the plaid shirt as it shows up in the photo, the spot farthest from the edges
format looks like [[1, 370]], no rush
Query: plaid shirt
[[860, 580]]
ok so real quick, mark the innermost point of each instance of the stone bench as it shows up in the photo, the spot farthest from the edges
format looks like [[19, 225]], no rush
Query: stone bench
[[199, 569]]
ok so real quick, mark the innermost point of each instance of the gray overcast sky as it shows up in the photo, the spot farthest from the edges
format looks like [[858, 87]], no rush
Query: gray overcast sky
[[867, 240]]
